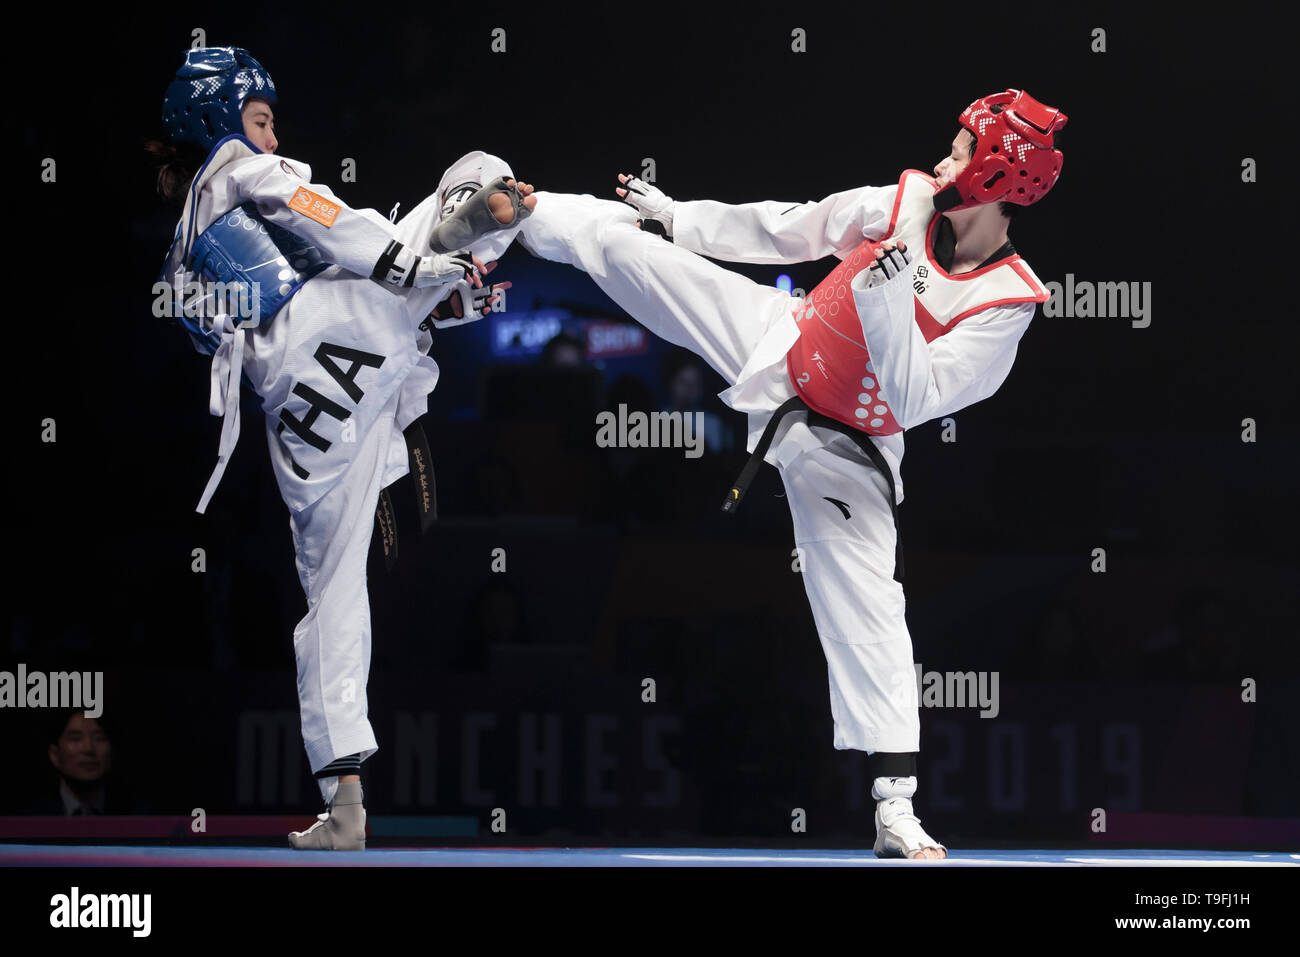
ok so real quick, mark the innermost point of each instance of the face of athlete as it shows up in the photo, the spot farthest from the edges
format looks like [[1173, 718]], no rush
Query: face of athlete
[[950, 167], [259, 124]]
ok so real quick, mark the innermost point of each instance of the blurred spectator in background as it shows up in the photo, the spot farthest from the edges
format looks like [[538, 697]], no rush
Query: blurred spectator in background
[[495, 486], [1060, 650], [631, 391], [1204, 642], [496, 618], [631, 492], [564, 351], [561, 386], [685, 379], [82, 756]]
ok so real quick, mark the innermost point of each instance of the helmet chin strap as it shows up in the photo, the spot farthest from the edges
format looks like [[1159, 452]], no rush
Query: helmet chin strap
[[947, 198]]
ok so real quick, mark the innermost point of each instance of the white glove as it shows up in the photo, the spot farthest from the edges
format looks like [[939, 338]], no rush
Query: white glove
[[400, 266], [651, 202], [440, 267], [463, 303], [889, 263]]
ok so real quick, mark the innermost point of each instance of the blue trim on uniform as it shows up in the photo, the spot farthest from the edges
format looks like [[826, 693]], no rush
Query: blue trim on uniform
[[194, 205], [193, 197], [188, 233]]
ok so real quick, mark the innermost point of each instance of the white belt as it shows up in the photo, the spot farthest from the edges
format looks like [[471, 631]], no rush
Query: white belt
[[227, 368]]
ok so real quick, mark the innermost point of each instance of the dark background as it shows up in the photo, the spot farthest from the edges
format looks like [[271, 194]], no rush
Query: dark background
[[1119, 690]]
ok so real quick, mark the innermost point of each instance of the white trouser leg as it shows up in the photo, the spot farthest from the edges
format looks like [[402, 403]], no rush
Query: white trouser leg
[[679, 296], [332, 642], [848, 569]]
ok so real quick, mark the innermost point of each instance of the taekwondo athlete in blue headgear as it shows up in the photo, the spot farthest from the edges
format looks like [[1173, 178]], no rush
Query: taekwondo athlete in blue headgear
[[331, 323]]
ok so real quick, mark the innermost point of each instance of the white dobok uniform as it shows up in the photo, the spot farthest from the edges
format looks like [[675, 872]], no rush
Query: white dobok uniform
[[745, 330], [344, 361]]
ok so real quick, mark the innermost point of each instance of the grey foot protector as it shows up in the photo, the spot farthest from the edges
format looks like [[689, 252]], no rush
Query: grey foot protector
[[343, 828], [474, 219]]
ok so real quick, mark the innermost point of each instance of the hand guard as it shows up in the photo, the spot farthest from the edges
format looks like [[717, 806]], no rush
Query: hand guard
[[651, 203], [887, 266], [474, 219], [437, 269], [451, 311]]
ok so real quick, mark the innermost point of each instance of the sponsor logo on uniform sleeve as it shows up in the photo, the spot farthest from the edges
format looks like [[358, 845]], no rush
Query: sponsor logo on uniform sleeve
[[314, 207]]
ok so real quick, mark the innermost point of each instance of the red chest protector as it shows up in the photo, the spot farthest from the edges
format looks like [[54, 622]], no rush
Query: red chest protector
[[829, 365]]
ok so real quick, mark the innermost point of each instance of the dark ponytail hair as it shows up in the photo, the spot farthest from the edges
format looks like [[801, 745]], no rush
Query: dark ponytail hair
[[176, 164]]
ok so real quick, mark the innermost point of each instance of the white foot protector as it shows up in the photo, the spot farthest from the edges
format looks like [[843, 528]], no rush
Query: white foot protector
[[899, 832], [341, 828]]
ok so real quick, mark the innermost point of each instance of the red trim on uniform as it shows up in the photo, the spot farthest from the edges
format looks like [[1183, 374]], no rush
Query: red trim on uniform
[[929, 235], [1031, 280], [962, 276], [1039, 293], [990, 305], [898, 200], [816, 362], [930, 327]]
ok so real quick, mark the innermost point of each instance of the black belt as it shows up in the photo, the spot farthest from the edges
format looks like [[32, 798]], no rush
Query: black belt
[[860, 439], [426, 493]]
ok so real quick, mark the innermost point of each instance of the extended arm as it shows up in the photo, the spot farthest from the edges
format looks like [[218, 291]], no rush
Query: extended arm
[[361, 241], [769, 232]]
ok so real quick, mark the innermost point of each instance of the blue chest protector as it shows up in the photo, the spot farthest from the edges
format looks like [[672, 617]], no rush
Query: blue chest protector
[[258, 262]]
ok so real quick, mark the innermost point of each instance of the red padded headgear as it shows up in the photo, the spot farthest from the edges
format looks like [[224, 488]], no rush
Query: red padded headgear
[[1015, 160]]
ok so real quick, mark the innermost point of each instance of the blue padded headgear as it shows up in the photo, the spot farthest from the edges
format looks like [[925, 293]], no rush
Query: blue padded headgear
[[203, 103]]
